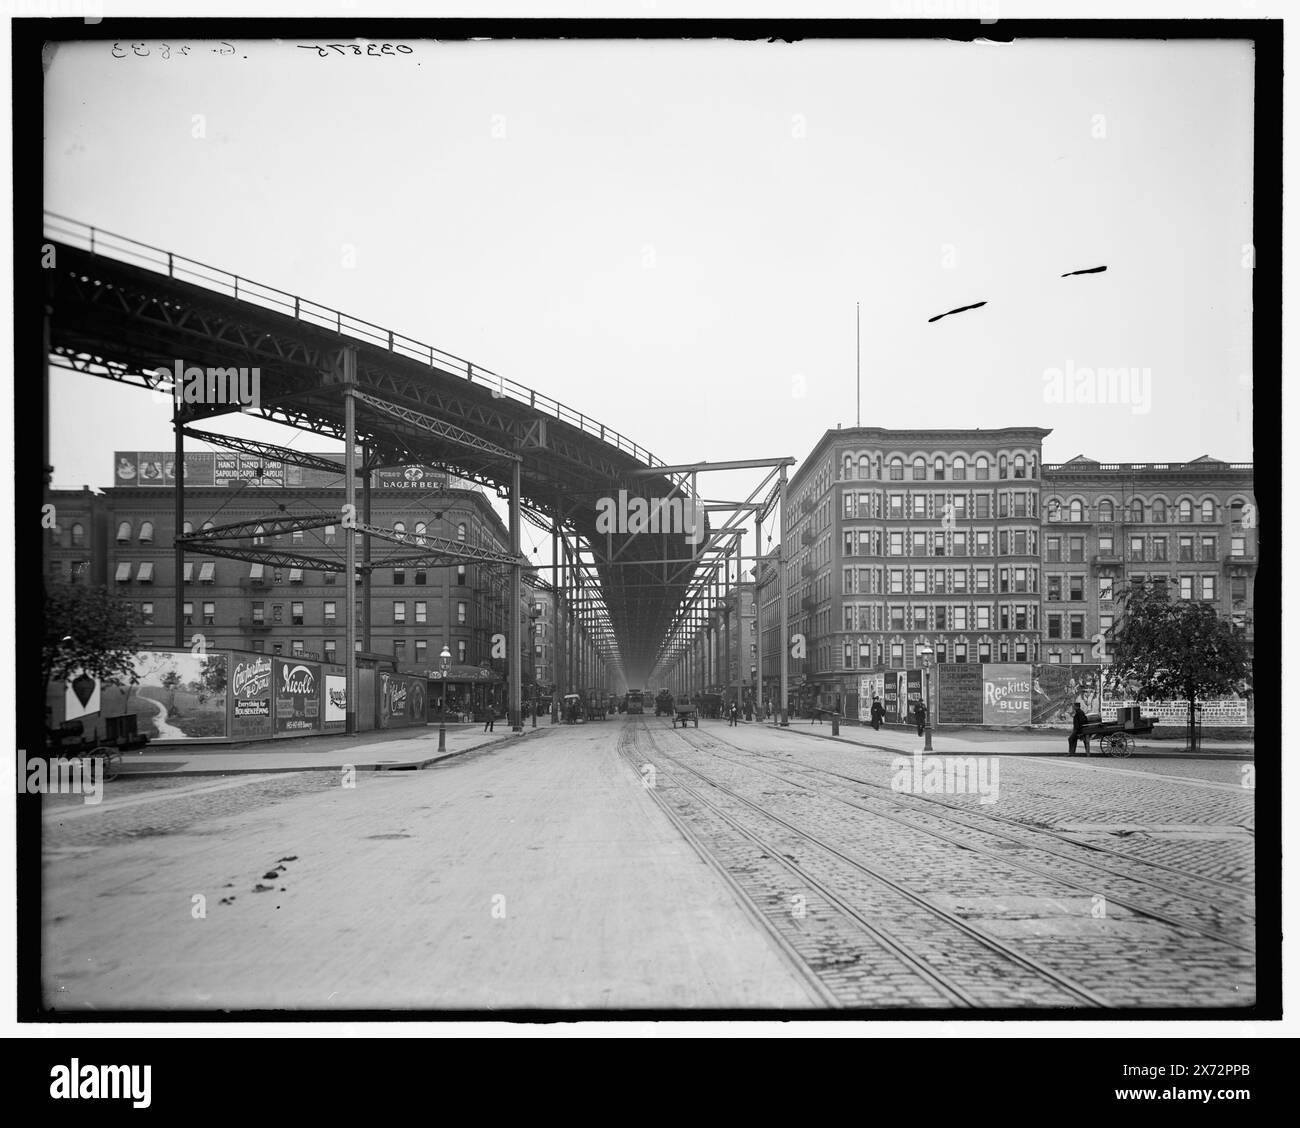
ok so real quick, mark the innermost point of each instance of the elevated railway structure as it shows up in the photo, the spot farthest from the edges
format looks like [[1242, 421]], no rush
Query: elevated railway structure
[[122, 310]]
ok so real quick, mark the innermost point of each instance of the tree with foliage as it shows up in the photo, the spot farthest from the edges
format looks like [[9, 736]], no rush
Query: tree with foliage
[[1163, 649], [90, 630]]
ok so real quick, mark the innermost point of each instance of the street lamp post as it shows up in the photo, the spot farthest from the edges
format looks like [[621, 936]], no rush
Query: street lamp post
[[442, 721], [926, 655]]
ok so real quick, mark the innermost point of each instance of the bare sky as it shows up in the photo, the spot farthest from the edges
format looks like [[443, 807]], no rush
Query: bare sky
[[671, 236]]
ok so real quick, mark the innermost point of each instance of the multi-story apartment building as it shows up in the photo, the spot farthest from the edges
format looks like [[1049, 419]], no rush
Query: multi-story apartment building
[[123, 537], [901, 540], [966, 543], [1190, 525]]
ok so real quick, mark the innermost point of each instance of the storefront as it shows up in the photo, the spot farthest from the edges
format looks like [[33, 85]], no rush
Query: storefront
[[470, 691]]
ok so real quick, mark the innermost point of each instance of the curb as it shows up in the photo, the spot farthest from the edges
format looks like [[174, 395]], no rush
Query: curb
[[370, 766], [1244, 757]]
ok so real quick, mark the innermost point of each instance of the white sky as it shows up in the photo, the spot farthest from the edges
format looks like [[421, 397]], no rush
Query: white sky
[[653, 243]]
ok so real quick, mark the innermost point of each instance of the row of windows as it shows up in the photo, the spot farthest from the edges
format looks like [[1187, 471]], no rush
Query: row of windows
[[865, 467], [939, 581], [936, 542], [146, 533], [941, 617], [1156, 512], [257, 573], [1017, 650], [941, 506]]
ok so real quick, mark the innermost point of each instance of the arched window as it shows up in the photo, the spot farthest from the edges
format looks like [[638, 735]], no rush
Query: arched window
[[78, 535], [918, 469], [1136, 511], [981, 469], [1076, 510], [460, 531], [259, 534], [1002, 466], [895, 469], [1018, 466], [1208, 514], [1158, 512], [1185, 511], [848, 466], [146, 532], [959, 469], [420, 529], [939, 468], [399, 528], [1105, 510], [864, 467], [1054, 509], [124, 533], [187, 528]]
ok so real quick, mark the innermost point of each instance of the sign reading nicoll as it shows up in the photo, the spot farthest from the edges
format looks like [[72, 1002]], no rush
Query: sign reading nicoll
[[677, 515]]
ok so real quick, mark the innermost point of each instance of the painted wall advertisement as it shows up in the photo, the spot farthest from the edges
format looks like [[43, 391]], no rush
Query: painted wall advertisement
[[296, 685], [179, 695], [870, 686], [1058, 686], [1007, 693], [402, 700], [250, 696], [960, 694], [336, 698], [1220, 712]]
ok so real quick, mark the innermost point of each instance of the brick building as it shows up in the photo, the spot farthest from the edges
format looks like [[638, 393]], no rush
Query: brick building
[[963, 541], [123, 537]]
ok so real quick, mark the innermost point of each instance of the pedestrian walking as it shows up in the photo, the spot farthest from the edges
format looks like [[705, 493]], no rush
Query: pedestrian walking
[[877, 713], [489, 721], [733, 714], [1080, 719], [920, 711]]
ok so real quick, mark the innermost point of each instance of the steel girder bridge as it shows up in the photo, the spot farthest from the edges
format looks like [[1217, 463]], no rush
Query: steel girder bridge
[[122, 310]]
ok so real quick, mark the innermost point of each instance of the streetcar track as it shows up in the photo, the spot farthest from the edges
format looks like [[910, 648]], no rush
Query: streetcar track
[[1150, 913], [1231, 887], [985, 939]]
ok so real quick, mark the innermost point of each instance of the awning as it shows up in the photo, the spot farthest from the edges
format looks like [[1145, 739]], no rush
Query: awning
[[207, 572], [123, 575], [255, 572], [462, 674], [124, 532], [189, 571], [145, 574], [295, 575]]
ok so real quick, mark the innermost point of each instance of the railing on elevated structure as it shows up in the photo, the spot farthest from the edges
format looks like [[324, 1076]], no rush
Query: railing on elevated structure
[[118, 247]]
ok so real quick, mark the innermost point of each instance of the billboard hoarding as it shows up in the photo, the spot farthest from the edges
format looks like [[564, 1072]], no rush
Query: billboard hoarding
[[296, 686]]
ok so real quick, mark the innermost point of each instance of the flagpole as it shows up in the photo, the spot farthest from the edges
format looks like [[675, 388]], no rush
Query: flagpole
[[859, 368]]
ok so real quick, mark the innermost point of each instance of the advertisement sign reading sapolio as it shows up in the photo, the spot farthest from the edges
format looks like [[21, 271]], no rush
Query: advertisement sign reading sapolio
[[250, 696], [296, 685], [1008, 690]]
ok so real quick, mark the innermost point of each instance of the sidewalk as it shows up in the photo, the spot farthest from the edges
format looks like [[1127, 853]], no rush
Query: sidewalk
[[968, 742], [392, 750]]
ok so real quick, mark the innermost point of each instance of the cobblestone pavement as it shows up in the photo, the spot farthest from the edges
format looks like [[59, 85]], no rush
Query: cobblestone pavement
[[1071, 883], [650, 867]]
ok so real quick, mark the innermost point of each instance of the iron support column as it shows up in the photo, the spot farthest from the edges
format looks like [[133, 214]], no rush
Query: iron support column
[[514, 638], [178, 519], [783, 587], [365, 550], [349, 532]]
